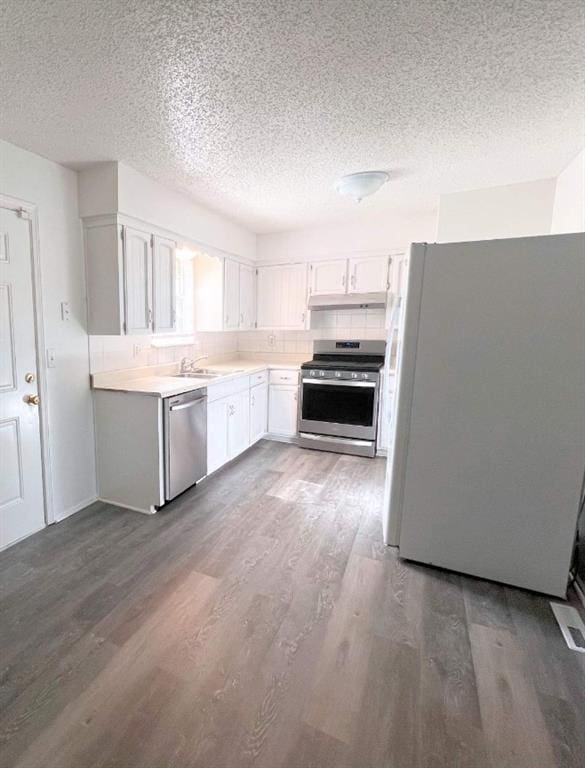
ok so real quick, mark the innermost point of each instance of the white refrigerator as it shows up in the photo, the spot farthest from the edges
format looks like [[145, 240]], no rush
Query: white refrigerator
[[487, 436]]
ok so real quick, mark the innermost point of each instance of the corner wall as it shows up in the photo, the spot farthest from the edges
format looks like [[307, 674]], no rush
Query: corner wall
[[513, 210], [53, 189], [569, 207]]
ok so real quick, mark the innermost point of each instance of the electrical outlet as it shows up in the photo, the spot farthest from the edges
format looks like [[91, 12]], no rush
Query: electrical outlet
[[271, 340], [51, 357], [138, 348]]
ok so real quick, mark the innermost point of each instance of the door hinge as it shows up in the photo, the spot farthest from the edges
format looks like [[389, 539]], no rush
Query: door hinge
[[152, 241], [22, 213]]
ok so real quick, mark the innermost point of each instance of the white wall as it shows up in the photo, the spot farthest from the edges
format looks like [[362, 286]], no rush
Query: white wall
[[569, 205], [113, 187], [367, 231], [513, 210], [54, 190]]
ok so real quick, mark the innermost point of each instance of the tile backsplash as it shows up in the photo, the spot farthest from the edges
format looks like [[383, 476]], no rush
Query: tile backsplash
[[110, 353]]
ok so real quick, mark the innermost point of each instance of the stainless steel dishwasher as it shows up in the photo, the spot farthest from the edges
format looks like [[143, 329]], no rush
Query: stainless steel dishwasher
[[185, 441]]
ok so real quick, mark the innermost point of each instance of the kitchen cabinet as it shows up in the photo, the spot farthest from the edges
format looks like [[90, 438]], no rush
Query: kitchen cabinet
[[328, 277], [130, 281], [228, 421], [138, 280], [231, 295], [238, 423], [217, 434], [164, 285], [368, 274], [282, 296], [247, 297], [258, 412], [282, 410], [208, 297]]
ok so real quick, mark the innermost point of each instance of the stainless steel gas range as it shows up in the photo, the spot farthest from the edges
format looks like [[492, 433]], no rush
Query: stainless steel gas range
[[340, 390]]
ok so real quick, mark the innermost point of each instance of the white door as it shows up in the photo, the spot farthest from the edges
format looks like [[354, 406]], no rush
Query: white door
[[21, 479], [231, 294], [258, 412], [217, 434], [247, 298], [163, 285], [368, 274], [238, 423], [282, 410], [138, 281], [328, 277]]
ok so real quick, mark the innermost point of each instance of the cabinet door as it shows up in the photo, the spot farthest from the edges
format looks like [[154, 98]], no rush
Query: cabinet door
[[238, 423], [163, 285], [247, 298], [231, 295], [217, 434], [328, 277], [282, 410], [368, 274], [282, 296], [138, 281], [258, 412]]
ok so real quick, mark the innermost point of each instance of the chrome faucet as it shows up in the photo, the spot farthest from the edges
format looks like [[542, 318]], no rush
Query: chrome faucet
[[187, 363]]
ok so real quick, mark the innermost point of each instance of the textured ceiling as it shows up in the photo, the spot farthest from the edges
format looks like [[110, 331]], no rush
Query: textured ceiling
[[256, 107]]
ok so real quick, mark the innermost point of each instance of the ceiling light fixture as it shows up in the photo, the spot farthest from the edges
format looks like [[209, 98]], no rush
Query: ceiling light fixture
[[360, 185]]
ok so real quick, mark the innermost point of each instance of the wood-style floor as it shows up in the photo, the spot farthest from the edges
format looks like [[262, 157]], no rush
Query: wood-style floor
[[258, 621]]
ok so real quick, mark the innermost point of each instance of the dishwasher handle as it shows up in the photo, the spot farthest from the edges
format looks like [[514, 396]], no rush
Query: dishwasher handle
[[190, 404]]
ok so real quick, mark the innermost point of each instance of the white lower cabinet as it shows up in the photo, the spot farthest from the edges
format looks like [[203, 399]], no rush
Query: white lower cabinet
[[217, 434], [238, 423], [258, 412], [282, 410]]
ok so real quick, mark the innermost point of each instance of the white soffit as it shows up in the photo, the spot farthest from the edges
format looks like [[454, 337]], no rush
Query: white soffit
[[257, 107]]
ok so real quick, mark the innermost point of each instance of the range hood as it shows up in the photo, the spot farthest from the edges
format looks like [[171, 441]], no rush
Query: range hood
[[348, 301]]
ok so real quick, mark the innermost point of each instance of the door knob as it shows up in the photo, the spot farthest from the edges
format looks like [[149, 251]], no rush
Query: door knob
[[32, 399], [29, 378]]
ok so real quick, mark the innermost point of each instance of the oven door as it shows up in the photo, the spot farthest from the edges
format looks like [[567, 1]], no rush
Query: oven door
[[342, 408]]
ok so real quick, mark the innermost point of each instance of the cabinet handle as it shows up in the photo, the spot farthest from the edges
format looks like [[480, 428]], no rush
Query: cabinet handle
[[343, 280], [303, 317], [295, 396], [149, 316], [227, 319], [353, 280]]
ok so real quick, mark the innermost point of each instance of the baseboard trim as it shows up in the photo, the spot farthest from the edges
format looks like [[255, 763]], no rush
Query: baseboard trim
[[150, 511], [294, 439], [75, 508]]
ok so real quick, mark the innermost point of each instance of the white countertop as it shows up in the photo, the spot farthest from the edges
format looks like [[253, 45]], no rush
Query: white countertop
[[162, 382]]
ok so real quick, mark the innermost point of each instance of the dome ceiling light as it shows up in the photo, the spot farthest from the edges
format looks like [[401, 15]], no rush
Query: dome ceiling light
[[360, 185]]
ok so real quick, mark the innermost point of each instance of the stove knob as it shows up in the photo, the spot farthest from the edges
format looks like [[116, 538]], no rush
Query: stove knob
[[337, 375], [313, 373], [364, 375], [354, 375], [322, 373]]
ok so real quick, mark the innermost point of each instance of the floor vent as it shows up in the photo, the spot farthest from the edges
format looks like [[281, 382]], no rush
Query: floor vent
[[571, 625]]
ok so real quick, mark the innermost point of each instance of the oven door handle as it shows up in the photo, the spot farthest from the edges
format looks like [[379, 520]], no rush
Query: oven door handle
[[342, 383]]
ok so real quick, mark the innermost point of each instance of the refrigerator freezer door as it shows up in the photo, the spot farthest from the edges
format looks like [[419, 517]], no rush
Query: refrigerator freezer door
[[495, 440]]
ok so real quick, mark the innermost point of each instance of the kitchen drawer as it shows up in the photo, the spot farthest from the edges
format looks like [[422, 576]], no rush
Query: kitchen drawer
[[226, 388], [284, 377], [258, 378]]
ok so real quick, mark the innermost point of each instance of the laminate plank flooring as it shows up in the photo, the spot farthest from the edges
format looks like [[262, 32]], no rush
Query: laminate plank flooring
[[258, 621]]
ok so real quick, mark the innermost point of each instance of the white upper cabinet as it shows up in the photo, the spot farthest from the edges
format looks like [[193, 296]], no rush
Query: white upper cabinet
[[138, 281], [231, 295], [130, 281], [368, 274], [328, 277], [208, 298], [164, 285], [282, 296], [247, 298]]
